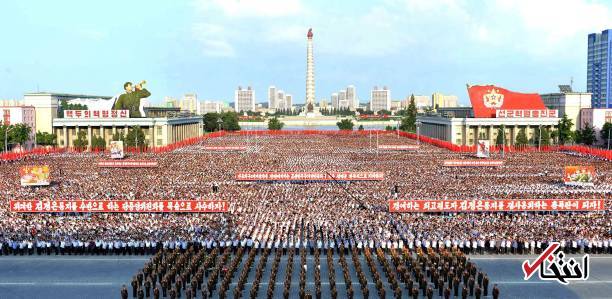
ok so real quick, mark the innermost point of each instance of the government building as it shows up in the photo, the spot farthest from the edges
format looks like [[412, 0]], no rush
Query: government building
[[492, 108], [161, 126]]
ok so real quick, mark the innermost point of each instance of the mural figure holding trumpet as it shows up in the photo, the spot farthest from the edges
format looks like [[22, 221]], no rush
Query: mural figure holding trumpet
[[131, 99]]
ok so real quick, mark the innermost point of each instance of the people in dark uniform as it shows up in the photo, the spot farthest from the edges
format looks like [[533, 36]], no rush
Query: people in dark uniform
[[124, 292], [495, 292]]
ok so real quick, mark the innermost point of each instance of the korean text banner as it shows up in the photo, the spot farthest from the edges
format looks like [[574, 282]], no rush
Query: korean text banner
[[579, 175], [37, 175], [398, 147], [496, 205], [310, 176], [472, 163], [119, 206], [97, 114], [127, 163], [226, 148]]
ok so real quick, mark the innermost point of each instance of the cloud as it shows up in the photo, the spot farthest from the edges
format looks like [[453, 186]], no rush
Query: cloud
[[251, 8], [435, 28], [214, 40]]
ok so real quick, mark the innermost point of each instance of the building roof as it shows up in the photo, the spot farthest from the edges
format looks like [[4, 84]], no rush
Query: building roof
[[71, 95]]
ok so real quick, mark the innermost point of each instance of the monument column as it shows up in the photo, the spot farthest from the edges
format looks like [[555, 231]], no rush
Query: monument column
[[310, 83]]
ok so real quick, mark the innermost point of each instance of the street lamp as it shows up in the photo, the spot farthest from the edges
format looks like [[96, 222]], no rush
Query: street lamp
[[397, 128], [418, 127], [539, 137], [503, 141], [609, 129], [219, 122], [8, 129]]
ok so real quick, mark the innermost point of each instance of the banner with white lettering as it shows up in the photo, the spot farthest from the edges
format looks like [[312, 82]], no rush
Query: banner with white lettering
[[127, 163], [473, 163], [310, 176], [226, 148], [398, 147], [522, 113], [496, 205]]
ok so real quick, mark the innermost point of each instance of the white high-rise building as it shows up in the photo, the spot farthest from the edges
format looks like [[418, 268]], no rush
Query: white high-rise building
[[190, 103], [288, 101], [210, 106], [244, 99], [272, 102], [334, 100], [345, 99], [170, 102], [278, 99], [380, 99], [439, 100], [351, 97]]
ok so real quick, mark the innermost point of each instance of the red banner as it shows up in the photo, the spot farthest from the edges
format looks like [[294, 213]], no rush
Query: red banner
[[310, 176], [486, 99], [226, 148], [473, 163], [496, 205], [398, 147], [127, 163], [119, 206]]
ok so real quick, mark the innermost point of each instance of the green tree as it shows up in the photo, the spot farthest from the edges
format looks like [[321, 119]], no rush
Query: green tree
[[64, 105], [576, 136], [521, 137], [135, 137], [360, 128], [98, 142], [409, 121], [606, 132], [44, 138], [275, 124], [545, 137], [565, 130], [230, 121], [544, 140], [20, 133], [81, 141], [500, 136], [211, 121], [345, 124], [118, 136], [587, 135], [3, 129]]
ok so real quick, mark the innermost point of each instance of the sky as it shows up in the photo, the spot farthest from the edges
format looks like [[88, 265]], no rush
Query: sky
[[210, 47]]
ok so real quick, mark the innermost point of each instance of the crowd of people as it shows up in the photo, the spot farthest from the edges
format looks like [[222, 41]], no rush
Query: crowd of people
[[311, 215]]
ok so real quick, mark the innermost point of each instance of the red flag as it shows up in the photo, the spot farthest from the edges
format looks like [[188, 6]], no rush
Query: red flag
[[488, 98]]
